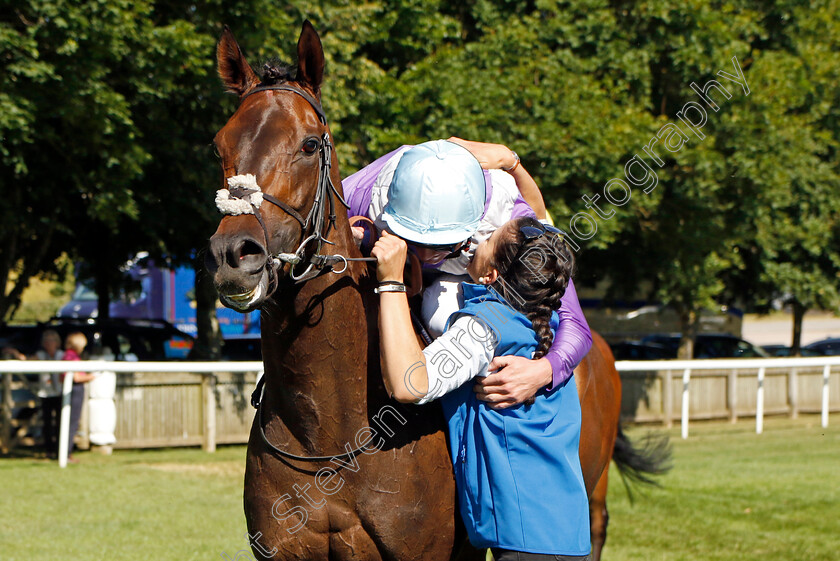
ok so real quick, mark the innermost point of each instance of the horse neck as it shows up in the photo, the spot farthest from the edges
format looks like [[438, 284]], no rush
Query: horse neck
[[315, 349]]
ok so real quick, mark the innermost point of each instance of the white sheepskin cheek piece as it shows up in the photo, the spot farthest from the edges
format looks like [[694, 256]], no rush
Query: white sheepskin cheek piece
[[236, 206]]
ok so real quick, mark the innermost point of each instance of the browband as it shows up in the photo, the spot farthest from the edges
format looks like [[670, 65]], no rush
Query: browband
[[316, 105]]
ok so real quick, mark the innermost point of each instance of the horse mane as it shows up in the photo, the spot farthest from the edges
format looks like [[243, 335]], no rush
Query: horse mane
[[275, 71]]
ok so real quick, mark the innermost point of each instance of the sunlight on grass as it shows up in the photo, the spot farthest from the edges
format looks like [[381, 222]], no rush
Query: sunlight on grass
[[735, 495], [732, 495]]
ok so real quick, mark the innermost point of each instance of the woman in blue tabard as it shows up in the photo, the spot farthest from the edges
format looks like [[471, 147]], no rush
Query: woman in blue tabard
[[520, 488]]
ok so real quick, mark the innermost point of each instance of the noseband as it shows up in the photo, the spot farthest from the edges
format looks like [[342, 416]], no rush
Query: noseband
[[312, 227]]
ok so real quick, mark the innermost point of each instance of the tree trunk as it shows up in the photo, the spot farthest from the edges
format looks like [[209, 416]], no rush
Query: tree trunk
[[798, 315], [208, 344], [688, 326]]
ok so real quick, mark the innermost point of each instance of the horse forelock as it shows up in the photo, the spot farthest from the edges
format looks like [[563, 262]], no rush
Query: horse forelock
[[275, 71]]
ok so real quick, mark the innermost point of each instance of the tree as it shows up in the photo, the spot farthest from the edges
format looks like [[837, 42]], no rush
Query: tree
[[68, 149], [742, 210], [789, 195]]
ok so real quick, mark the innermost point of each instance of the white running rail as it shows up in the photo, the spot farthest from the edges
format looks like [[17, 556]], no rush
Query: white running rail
[[760, 364]]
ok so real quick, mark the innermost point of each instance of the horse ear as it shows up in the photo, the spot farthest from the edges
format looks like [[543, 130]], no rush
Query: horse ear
[[310, 58], [234, 70]]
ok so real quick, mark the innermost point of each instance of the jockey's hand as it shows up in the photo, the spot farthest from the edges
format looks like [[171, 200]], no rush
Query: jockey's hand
[[490, 156], [390, 252], [515, 380], [358, 234]]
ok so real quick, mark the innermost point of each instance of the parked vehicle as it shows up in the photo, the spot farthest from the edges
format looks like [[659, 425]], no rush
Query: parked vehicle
[[242, 347], [784, 350], [127, 339], [124, 339], [709, 346], [826, 347], [635, 350], [161, 294]]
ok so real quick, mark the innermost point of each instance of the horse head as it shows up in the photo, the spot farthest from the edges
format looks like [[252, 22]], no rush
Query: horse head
[[284, 218]]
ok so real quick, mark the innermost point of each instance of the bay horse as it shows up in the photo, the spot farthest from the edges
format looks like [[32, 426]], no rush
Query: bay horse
[[335, 468]]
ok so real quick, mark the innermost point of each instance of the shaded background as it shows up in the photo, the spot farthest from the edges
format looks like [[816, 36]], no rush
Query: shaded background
[[108, 109]]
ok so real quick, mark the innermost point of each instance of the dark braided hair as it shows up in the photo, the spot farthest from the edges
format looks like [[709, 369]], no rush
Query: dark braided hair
[[533, 275]]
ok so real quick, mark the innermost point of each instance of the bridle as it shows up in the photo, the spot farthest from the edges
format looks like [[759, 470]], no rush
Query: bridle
[[316, 221], [312, 227]]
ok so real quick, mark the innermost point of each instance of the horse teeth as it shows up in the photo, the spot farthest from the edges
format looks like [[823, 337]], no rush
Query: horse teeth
[[244, 297]]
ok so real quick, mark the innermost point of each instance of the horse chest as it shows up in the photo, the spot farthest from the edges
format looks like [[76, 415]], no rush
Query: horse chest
[[394, 504]]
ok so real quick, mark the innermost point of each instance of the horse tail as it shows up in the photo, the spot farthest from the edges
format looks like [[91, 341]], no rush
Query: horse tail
[[638, 464]]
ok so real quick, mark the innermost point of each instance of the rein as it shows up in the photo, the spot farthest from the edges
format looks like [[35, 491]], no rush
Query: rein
[[256, 403], [317, 219]]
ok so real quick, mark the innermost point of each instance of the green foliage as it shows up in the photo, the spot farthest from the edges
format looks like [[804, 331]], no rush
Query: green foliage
[[107, 111]]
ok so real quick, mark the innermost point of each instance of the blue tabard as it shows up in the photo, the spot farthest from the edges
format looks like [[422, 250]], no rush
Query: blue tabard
[[518, 474]]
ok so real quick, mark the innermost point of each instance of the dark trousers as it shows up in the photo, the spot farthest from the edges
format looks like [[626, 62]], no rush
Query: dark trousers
[[51, 413], [77, 401], [508, 555]]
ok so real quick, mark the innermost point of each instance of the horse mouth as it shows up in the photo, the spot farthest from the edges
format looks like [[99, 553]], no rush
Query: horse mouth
[[246, 301]]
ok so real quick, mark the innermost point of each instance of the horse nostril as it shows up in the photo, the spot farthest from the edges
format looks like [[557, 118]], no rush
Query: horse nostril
[[248, 255], [249, 248]]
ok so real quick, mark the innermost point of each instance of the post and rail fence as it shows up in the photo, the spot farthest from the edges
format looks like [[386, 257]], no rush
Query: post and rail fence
[[164, 404], [158, 404], [728, 388]]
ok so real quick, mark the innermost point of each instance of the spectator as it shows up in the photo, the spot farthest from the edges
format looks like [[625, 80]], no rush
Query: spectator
[[49, 390], [74, 347], [48, 387]]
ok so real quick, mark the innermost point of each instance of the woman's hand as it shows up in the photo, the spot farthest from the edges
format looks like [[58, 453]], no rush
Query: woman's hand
[[490, 156], [390, 252]]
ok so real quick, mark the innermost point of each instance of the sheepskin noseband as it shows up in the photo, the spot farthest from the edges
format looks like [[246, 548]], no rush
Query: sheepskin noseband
[[242, 196]]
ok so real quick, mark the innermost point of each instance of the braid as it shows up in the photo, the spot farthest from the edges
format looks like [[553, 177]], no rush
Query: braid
[[533, 276], [540, 321]]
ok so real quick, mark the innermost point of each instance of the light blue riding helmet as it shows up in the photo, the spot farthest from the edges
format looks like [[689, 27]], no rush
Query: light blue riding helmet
[[437, 194]]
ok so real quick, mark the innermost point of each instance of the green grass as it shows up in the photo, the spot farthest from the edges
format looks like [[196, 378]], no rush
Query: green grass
[[732, 495], [44, 297], [135, 505]]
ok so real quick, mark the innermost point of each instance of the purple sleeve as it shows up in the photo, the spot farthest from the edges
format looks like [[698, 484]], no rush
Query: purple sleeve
[[521, 208], [572, 340], [357, 187]]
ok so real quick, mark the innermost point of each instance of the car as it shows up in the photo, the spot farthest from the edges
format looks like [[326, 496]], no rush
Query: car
[[19, 337], [826, 347], [635, 350], [708, 345], [784, 350], [242, 347], [126, 339]]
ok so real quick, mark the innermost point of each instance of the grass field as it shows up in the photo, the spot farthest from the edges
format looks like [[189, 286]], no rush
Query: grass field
[[732, 495]]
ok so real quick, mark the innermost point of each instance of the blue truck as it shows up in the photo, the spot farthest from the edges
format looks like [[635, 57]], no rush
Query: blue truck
[[160, 293]]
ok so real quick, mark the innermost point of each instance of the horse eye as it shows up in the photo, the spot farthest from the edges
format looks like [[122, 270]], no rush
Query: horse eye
[[310, 146]]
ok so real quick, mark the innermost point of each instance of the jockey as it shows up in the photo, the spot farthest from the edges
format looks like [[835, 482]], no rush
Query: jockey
[[437, 197]]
